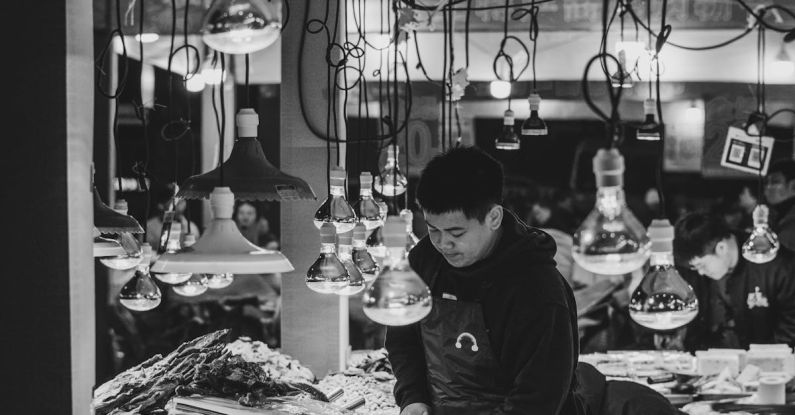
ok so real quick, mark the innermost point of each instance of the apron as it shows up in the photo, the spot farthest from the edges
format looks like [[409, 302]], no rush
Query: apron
[[462, 367]]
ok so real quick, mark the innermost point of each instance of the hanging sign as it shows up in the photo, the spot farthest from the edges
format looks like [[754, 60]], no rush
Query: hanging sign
[[743, 152]]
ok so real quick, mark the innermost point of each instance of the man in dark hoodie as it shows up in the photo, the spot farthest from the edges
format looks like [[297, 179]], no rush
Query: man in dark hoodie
[[502, 334], [740, 302]]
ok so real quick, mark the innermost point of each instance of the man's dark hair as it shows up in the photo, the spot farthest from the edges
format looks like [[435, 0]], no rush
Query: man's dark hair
[[463, 178], [696, 234], [786, 167]]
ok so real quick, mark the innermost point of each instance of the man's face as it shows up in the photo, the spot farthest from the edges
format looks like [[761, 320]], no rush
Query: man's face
[[777, 189], [246, 215], [715, 265], [461, 240]]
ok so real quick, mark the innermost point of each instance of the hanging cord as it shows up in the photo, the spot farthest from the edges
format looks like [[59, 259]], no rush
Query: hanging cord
[[223, 123], [181, 126], [315, 26], [466, 31], [648, 28], [444, 91], [248, 92], [665, 31], [142, 169], [760, 102], [532, 33], [451, 71]]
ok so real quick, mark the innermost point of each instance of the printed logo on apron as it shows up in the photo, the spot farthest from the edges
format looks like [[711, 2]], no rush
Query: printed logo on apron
[[757, 299], [464, 335]]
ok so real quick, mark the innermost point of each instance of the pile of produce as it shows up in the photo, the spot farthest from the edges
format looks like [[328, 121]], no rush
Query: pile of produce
[[276, 365], [202, 366], [363, 393], [371, 361]]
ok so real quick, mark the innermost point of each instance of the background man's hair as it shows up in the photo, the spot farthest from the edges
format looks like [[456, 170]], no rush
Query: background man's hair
[[463, 178], [696, 235], [786, 167]]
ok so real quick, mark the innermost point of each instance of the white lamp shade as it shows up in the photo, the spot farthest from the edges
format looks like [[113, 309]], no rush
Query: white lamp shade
[[222, 248], [104, 247]]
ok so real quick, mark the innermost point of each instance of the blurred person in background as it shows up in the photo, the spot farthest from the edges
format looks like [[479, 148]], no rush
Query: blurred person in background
[[780, 193], [740, 302], [254, 226]]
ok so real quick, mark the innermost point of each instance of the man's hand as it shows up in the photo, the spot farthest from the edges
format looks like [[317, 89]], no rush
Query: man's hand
[[416, 408]]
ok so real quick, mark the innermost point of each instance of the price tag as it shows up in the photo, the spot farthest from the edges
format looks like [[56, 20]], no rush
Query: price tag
[[743, 152]]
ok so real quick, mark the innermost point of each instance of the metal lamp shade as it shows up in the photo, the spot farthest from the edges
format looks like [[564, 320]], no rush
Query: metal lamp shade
[[107, 220], [250, 176], [222, 248]]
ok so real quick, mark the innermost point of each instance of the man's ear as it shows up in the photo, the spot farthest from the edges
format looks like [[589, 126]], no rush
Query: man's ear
[[791, 186], [494, 217], [721, 248]]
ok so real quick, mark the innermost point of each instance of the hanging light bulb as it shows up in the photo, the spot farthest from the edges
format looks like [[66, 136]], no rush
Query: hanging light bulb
[[782, 66], [367, 209], [390, 182], [132, 254], [361, 256], [147, 37], [195, 83], [500, 89], [336, 209], [398, 296], [375, 239], [507, 140], [196, 285], [534, 125], [762, 245], [345, 254], [141, 293], [241, 26], [411, 239], [222, 248], [610, 241], [171, 241], [218, 281], [247, 171], [649, 130], [129, 259], [663, 300], [328, 274], [211, 72]]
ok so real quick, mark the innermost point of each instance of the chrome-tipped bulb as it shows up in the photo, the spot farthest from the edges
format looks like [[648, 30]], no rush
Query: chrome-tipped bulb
[[327, 275], [391, 182], [335, 209], [663, 300], [367, 209], [650, 130], [141, 293], [398, 296], [172, 242], [361, 256], [762, 245], [507, 139], [241, 26], [534, 125], [345, 254], [610, 241], [194, 286]]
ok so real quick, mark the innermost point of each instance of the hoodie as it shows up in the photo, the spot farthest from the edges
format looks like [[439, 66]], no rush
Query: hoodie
[[529, 313]]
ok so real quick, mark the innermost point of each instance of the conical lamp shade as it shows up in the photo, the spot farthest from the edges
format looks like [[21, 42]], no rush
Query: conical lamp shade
[[107, 220], [222, 248], [248, 172]]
